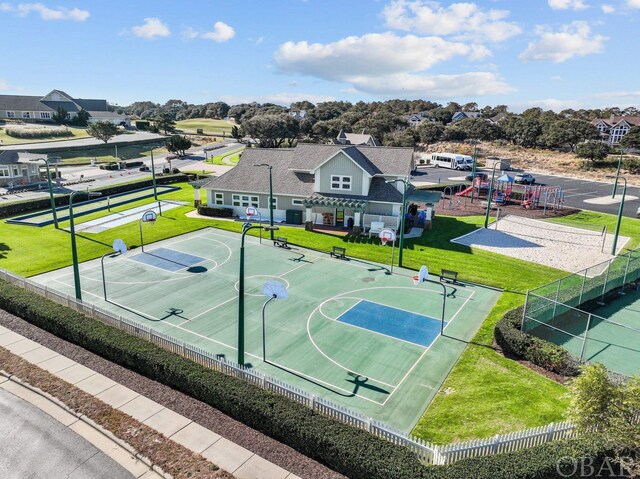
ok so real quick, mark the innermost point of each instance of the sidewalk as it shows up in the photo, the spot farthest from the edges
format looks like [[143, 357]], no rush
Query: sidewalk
[[229, 456]]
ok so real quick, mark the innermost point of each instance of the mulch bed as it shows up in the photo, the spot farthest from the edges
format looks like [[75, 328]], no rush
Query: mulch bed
[[559, 378], [201, 413], [466, 208], [172, 457]]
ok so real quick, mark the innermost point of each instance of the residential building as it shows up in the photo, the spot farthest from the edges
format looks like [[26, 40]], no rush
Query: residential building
[[613, 129], [416, 119], [298, 115], [18, 168], [460, 115], [356, 139], [42, 108], [335, 185]]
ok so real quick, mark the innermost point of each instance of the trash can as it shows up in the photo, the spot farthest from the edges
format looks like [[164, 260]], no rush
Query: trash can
[[294, 217]]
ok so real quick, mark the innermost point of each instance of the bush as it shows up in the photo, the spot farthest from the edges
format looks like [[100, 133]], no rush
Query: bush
[[540, 352], [142, 125], [632, 165], [37, 133], [205, 210], [108, 166]]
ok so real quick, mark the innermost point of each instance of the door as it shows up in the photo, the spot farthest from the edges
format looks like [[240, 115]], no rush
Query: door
[[339, 217]]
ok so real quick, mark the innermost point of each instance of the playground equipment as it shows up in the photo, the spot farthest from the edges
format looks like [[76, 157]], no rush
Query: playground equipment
[[550, 197], [454, 191]]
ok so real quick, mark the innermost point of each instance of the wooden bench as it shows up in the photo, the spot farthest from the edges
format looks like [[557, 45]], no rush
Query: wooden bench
[[338, 252], [281, 242], [449, 275]]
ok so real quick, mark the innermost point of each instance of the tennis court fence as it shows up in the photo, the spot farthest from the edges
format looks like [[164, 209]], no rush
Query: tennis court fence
[[425, 451], [561, 309]]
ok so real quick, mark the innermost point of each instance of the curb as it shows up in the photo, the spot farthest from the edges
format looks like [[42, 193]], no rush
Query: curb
[[88, 421]]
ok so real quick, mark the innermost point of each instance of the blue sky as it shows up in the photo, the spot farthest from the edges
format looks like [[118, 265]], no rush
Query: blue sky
[[549, 53]]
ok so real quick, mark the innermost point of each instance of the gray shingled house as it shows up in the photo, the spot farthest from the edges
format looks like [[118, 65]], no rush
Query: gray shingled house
[[335, 185], [42, 108], [17, 168]]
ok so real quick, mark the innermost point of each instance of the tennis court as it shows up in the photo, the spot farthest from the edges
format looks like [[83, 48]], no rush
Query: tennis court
[[349, 331]]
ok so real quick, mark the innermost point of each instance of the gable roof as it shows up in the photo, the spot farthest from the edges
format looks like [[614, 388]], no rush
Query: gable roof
[[38, 103], [11, 157]]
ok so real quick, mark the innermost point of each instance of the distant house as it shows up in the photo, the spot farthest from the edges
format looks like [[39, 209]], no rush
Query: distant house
[[356, 139], [298, 115], [613, 129], [460, 115], [17, 168], [416, 119], [42, 108], [497, 118], [334, 185]]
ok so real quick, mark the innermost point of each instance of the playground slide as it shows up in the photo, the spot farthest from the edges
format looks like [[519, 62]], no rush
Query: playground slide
[[464, 192]]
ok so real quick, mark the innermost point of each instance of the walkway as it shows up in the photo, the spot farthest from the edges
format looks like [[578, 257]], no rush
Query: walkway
[[119, 139], [235, 459]]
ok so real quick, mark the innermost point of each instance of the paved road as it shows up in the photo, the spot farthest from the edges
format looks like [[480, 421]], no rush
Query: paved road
[[576, 190], [34, 445], [119, 139]]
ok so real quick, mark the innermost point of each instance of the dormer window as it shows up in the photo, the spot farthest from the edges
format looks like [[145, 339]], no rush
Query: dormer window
[[339, 182]]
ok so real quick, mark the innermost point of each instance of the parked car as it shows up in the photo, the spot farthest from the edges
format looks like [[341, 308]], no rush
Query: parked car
[[479, 174], [524, 179], [144, 168]]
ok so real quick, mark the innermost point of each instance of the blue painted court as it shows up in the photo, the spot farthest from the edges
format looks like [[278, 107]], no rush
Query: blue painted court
[[168, 259], [397, 323]]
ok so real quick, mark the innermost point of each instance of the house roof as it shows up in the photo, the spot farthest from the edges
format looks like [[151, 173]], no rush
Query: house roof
[[613, 120], [11, 157], [36, 103], [291, 170]]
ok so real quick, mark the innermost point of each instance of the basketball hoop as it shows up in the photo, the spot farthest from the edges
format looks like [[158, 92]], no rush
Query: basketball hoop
[[386, 235], [149, 217], [251, 211], [422, 275]]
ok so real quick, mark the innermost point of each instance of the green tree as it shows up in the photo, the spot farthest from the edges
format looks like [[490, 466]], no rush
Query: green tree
[[569, 132], [522, 130], [61, 116], [480, 129], [600, 403], [165, 123], [103, 130], [236, 134], [272, 131], [178, 144], [430, 132], [632, 138], [81, 118], [594, 151], [406, 137]]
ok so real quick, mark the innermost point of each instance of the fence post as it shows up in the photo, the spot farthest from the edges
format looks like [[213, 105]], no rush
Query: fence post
[[496, 444], [555, 305], [604, 286], [437, 457], [584, 280], [524, 313], [551, 429], [313, 402], [586, 335], [626, 270]]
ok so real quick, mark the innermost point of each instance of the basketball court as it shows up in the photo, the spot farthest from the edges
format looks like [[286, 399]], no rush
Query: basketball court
[[348, 331]]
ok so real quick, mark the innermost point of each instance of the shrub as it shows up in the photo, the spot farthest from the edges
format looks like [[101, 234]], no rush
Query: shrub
[[540, 352], [108, 166], [215, 212], [37, 133], [632, 165]]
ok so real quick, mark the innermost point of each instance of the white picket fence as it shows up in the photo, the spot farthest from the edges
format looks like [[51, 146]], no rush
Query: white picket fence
[[425, 451]]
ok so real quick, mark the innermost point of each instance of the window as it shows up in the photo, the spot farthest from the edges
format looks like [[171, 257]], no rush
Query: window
[[4, 172], [218, 199], [11, 114], [244, 200], [16, 171], [341, 183], [275, 203], [297, 202], [45, 115], [26, 114]]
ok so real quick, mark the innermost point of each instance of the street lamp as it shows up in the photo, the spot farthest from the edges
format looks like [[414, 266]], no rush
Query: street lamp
[[53, 202], [473, 167], [270, 196], [402, 212], [246, 227], [74, 252], [153, 175], [624, 192], [615, 185], [493, 174]]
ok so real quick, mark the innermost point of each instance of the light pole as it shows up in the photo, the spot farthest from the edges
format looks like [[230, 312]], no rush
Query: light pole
[[615, 184], [402, 212], [493, 174], [53, 202], [74, 251], [246, 227], [153, 175], [272, 290], [624, 192], [473, 167], [270, 196]]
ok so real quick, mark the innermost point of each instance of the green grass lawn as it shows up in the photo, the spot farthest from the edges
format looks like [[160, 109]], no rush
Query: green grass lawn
[[628, 227], [234, 157], [107, 153], [208, 125], [77, 133]]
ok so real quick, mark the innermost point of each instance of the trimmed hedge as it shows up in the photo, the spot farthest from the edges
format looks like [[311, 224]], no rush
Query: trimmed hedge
[[540, 352], [22, 207], [348, 450], [215, 212]]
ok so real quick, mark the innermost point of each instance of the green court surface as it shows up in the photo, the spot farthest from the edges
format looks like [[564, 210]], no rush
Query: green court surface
[[349, 331], [614, 332]]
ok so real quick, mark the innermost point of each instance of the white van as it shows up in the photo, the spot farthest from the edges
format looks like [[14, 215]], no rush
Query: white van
[[452, 160]]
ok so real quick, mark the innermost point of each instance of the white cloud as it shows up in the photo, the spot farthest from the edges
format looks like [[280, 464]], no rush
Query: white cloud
[[461, 20], [151, 28], [259, 40], [190, 33], [221, 33], [285, 98], [568, 4], [46, 13], [633, 3], [607, 9], [373, 54], [572, 40], [4, 85], [612, 98]]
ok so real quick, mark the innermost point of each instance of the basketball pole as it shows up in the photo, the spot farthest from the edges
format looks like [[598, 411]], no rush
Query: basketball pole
[[393, 251], [444, 302]]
